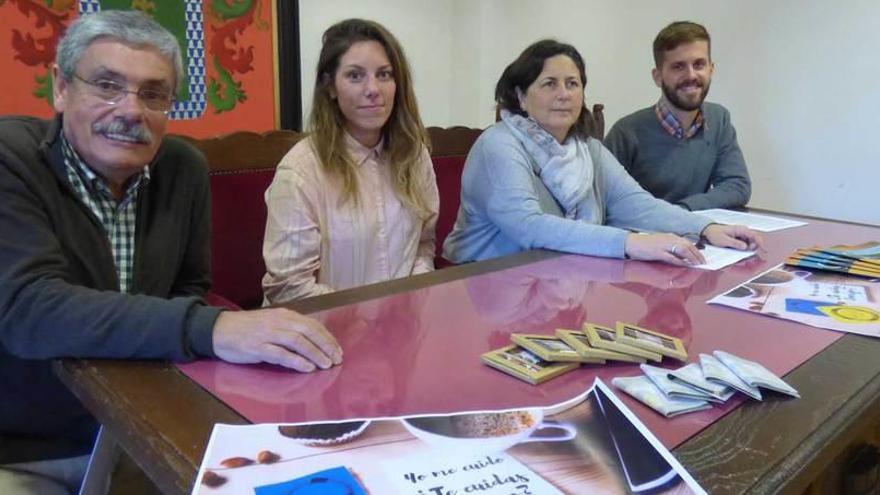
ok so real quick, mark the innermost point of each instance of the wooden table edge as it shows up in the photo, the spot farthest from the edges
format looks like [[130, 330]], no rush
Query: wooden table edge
[[839, 428]]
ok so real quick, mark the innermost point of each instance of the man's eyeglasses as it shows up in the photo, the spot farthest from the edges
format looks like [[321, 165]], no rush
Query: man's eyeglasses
[[112, 92]]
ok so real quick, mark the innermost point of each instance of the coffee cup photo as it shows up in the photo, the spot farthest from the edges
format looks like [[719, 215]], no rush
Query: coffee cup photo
[[485, 433]]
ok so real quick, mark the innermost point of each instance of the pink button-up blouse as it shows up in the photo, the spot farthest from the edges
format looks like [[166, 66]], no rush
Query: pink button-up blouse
[[315, 243]]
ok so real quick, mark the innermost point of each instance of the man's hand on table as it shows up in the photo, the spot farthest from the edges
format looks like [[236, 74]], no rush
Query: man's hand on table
[[276, 335]]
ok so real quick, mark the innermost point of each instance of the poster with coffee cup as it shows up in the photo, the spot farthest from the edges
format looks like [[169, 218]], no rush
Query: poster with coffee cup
[[589, 444], [812, 297]]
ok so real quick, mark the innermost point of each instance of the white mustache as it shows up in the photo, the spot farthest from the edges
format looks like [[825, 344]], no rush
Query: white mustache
[[124, 130]]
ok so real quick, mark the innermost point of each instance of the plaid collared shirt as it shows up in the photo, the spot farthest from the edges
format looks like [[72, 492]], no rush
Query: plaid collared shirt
[[118, 218], [671, 124]]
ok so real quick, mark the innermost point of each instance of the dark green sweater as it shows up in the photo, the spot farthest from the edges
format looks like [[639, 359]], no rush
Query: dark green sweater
[[59, 292], [701, 172]]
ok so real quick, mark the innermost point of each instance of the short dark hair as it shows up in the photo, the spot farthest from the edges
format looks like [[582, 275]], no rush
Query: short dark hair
[[676, 34], [523, 71]]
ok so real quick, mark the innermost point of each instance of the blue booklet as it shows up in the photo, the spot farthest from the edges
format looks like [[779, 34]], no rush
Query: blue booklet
[[338, 480]]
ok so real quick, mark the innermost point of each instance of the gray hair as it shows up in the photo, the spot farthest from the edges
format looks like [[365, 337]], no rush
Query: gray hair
[[128, 26]]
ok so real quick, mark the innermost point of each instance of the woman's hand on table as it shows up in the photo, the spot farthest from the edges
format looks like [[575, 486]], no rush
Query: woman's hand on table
[[670, 248], [276, 335]]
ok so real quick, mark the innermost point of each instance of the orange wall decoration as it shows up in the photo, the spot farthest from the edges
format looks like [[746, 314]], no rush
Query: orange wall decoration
[[227, 44]]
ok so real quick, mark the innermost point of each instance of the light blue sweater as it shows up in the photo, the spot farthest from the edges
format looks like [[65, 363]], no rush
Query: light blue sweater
[[505, 207]]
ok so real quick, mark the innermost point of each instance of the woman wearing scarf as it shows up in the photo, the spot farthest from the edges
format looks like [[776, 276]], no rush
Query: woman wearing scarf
[[536, 180]]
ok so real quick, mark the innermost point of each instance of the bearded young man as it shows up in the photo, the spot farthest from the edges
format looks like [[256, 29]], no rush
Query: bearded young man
[[683, 149], [105, 248]]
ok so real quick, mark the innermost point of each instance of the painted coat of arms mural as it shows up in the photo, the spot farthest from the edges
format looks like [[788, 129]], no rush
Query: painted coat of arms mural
[[226, 44]]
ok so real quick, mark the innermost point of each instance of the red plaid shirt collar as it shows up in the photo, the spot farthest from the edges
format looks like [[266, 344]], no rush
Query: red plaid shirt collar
[[671, 124]]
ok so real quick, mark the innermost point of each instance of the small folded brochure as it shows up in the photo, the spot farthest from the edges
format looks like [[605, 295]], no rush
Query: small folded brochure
[[715, 371], [862, 259], [676, 390], [692, 375], [693, 387], [755, 374], [644, 390]]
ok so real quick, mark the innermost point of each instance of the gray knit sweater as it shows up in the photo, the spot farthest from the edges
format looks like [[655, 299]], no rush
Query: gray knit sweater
[[701, 172]]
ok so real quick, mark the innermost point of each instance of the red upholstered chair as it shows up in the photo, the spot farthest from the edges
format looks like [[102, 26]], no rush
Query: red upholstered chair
[[449, 149], [241, 166]]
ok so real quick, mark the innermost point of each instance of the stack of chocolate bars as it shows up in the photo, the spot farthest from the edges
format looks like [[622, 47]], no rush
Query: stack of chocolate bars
[[536, 358]]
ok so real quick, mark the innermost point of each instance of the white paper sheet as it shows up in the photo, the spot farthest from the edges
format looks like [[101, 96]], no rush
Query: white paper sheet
[[718, 258], [761, 223]]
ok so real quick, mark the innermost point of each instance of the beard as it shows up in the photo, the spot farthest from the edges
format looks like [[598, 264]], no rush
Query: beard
[[687, 105]]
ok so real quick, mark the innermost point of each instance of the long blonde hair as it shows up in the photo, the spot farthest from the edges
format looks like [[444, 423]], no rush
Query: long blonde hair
[[403, 134]]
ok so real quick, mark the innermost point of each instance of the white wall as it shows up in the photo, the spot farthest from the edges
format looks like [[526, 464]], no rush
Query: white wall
[[800, 77]]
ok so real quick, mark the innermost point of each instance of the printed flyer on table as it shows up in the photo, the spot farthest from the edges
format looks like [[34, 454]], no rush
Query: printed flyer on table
[[589, 444], [820, 299]]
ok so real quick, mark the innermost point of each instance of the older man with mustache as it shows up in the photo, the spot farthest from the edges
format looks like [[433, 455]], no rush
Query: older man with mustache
[[683, 149], [105, 248]]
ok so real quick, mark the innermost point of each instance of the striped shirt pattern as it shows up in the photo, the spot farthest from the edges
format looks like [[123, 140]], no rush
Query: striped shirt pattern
[[671, 124], [317, 243], [117, 217]]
